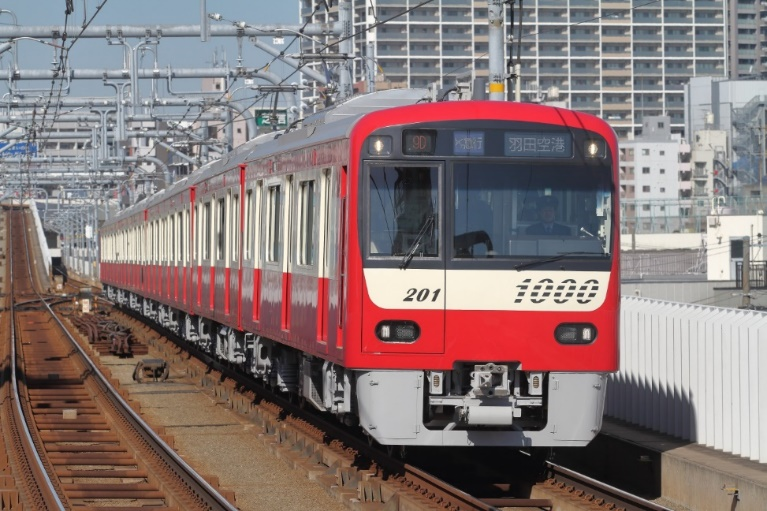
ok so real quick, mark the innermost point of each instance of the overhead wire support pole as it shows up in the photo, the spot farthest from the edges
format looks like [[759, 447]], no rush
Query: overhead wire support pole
[[512, 73], [497, 66], [370, 46], [345, 47]]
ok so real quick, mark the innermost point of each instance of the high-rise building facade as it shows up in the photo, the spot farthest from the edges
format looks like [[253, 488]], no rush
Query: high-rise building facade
[[620, 60], [747, 39]]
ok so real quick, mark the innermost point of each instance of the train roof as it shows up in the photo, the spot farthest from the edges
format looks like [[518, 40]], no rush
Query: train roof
[[328, 124], [365, 103]]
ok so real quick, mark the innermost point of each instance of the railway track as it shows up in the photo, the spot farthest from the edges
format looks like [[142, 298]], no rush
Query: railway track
[[94, 467], [348, 465], [76, 443]]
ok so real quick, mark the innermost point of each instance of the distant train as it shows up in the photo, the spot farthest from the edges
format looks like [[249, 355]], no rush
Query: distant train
[[384, 263]]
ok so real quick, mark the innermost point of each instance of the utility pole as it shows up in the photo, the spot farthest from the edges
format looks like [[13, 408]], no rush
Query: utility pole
[[370, 46], [496, 66], [345, 47]]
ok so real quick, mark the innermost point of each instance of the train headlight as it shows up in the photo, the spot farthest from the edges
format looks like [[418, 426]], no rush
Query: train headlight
[[379, 146], [594, 149], [398, 331], [575, 333]]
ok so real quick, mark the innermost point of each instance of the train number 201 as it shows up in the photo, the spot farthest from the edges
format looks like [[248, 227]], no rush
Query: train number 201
[[421, 295]]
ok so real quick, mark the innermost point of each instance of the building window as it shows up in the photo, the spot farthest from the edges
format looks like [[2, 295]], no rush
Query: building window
[[645, 170], [645, 188], [645, 152]]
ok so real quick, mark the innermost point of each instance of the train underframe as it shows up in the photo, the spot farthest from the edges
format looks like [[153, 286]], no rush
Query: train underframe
[[474, 404]]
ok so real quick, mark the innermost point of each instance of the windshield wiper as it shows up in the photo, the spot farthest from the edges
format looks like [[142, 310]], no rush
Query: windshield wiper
[[561, 255], [427, 224]]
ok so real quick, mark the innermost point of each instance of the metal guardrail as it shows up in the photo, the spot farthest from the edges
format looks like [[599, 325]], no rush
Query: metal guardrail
[[757, 274]]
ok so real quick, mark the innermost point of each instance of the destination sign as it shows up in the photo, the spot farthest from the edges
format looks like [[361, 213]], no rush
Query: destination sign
[[469, 143], [543, 145]]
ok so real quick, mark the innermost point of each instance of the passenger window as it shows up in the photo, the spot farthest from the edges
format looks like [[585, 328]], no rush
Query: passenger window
[[273, 232], [306, 223]]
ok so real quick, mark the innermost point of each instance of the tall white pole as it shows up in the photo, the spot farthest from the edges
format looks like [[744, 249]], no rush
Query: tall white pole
[[370, 47], [497, 59], [346, 47]]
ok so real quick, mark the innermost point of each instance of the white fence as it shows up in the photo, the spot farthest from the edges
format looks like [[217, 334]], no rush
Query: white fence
[[696, 372]]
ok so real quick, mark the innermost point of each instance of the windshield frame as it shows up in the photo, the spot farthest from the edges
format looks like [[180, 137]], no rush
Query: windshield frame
[[570, 257], [369, 240]]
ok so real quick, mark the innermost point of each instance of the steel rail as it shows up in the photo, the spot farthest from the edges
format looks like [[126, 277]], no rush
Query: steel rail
[[48, 492], [203, 490], [599, 491]]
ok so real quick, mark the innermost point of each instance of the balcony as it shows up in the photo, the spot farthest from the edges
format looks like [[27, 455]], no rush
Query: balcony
[[700, 192], [625, 73], [552, 71], [391, 36], [650, 38]]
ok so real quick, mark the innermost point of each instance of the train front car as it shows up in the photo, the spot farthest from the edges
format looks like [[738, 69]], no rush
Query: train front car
[[487, 271]]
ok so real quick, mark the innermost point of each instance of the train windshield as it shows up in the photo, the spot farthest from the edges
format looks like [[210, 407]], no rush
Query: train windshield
[[521, 210], [404, 211], [474, 210]]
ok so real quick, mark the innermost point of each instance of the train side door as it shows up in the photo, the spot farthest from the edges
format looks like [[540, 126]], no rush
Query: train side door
[[326, 250], [271, 293]]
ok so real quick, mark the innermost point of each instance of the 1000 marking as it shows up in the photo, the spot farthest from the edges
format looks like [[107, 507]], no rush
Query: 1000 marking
[[561, 293]]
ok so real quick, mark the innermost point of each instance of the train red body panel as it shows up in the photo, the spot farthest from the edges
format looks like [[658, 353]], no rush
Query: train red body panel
[[386, 263]]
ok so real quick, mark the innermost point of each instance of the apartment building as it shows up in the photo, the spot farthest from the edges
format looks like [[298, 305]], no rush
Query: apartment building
[[655, 180], [620, 60], [747, 39]]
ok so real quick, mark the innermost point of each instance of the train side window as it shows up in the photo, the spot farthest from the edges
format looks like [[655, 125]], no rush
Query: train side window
[[164, 242], [220, 228], [198, 235], [257, 227], [306, 223], [247, 245], [235, 216], [206, 225], [273, 230], [184, 235], [181, 238], [154, 255], [152, 240], [330, 192], [172, 238]]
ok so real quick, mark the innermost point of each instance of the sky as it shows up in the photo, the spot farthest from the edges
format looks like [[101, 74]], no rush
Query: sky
[[174, 52]]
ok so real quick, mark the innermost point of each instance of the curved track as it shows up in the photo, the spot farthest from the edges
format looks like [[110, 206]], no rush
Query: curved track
[[91, 450], [489, 479]]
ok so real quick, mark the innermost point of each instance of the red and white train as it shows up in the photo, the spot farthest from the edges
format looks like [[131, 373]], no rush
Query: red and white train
[[379, 262]]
